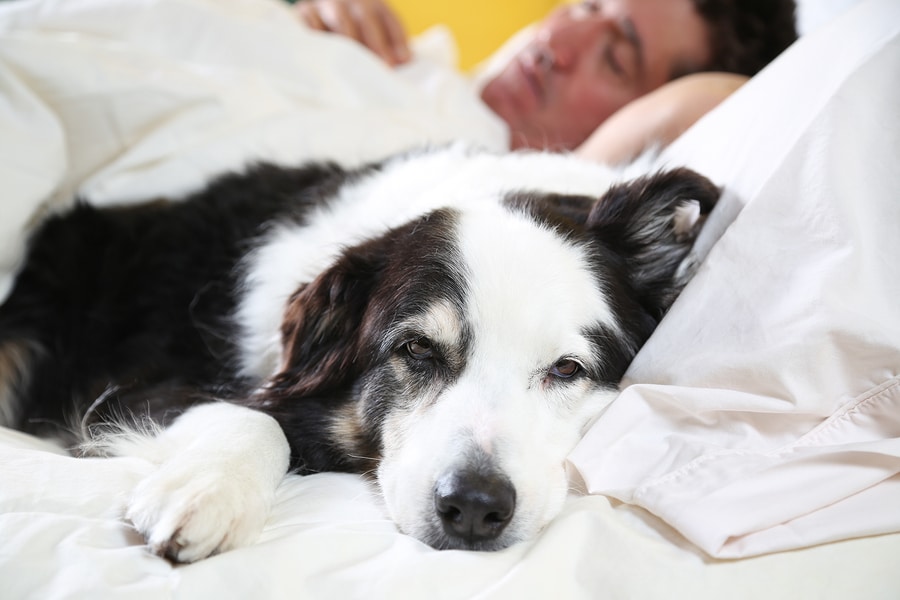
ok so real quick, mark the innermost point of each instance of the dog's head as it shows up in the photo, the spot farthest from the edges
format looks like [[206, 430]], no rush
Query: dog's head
[[466, 352]]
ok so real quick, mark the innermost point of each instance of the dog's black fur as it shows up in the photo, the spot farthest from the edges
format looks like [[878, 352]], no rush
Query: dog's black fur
[[132, 303]]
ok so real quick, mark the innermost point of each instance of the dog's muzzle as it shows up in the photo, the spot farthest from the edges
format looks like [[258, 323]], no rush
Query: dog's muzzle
[[474, 507]]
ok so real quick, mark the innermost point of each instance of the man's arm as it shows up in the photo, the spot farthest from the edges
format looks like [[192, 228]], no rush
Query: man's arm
[[655, 120], [370, 22]]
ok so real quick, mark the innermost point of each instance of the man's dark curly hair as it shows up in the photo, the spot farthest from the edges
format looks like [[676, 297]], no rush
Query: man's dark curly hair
[[746, 35]]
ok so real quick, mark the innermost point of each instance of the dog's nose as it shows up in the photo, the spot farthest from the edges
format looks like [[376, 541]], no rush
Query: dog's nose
[[473, 506]]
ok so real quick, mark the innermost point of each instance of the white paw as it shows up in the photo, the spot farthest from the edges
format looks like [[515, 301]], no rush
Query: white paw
[[218, 467], [187, 511]]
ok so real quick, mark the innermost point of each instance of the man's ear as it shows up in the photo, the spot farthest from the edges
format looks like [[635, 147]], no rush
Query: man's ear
[[320, 330], [652, 222]]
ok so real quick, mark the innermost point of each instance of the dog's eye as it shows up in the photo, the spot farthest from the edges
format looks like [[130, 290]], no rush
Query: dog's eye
[[420, 349], [565, 369]]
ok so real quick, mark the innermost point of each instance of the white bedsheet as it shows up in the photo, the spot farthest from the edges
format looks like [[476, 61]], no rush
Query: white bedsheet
[[767, 413]]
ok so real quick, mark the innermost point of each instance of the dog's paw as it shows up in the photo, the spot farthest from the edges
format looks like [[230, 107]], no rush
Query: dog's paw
[[217, 468], [187, 513]]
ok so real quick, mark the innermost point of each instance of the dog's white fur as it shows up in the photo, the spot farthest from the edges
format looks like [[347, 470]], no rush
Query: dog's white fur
[[217, 468]]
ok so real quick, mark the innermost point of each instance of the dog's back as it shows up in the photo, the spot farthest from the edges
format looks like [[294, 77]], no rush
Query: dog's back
[[136, 297]]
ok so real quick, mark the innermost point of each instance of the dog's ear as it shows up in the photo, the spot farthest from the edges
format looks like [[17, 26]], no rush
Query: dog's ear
[[562, 212], [652, 222], [330, 324], [320, 343]]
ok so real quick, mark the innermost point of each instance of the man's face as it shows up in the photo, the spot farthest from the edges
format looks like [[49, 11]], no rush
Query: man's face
[[589, 59]]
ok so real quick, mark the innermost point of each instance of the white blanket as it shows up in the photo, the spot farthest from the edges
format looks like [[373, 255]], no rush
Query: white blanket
[[765, 413], [127, 99]]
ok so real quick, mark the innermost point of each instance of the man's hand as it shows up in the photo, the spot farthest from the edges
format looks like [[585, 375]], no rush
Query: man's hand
[[370, 22]]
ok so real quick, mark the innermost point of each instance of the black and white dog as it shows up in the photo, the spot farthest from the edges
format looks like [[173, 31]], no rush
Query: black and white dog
[[450, 321]]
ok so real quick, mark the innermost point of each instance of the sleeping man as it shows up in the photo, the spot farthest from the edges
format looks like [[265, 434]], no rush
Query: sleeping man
[[668, 61]]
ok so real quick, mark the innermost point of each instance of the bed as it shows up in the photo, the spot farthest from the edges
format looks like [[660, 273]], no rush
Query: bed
[[755, 449]]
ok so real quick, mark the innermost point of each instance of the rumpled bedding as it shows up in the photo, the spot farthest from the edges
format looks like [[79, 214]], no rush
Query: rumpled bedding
[[763, 416], [766, 410], [128, 99]]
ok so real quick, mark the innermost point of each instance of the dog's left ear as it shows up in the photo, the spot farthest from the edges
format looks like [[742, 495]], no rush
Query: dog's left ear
[[320, 330], [652, 223]]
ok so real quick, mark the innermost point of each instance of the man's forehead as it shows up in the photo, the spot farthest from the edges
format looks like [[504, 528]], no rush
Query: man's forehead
[[670, 37], [672, 33]]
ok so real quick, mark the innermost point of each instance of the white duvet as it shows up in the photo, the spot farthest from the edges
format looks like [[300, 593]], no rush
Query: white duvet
[[764, 414]]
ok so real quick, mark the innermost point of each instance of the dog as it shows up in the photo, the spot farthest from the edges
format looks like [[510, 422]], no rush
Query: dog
[[448, 320]]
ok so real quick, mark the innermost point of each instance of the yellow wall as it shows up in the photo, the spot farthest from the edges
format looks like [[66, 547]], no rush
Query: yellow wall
[[479, 26]]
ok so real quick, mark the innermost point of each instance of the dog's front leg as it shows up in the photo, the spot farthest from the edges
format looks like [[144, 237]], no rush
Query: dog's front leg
[[219, 466]]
